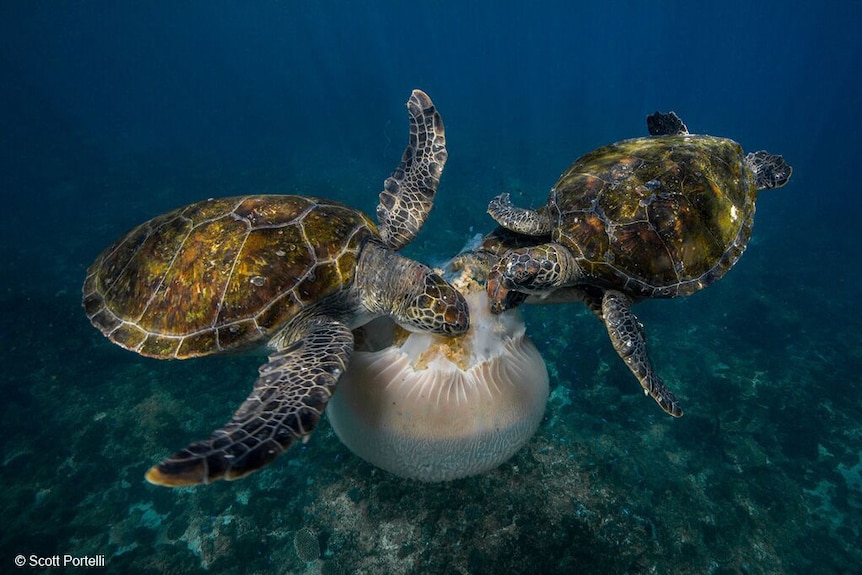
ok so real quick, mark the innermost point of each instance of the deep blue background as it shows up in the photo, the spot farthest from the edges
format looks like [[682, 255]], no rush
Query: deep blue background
[[147, 106]]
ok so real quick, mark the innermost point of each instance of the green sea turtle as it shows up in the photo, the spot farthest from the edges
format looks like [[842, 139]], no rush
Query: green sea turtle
[[654, 217], [294, 274]]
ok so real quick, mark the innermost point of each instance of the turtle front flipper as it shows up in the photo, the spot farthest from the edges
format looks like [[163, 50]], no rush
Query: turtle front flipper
[[520, 220], [288, 400], [628, 339], [408, 194]]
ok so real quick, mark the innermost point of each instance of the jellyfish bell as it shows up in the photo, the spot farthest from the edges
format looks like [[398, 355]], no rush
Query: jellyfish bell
[[437, 408]]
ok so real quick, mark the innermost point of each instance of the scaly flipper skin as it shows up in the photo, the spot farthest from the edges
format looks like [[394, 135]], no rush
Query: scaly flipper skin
[[408, 193], [628, 339], [770, 170], [669, 124], [288, 400], [520, 220]]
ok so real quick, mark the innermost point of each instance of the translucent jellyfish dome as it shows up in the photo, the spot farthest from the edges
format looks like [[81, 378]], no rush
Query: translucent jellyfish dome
[[438, 408]]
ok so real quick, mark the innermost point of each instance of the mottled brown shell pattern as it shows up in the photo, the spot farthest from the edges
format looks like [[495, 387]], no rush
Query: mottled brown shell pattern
[[656, 217], [222, 274]]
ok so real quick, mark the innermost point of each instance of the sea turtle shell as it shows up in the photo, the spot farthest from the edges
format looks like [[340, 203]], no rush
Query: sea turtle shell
[[222, 274], [656, 217]]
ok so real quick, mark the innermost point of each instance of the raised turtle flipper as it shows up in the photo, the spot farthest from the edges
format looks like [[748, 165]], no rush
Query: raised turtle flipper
[[628, 339], [288, 400], [520, 220], [770, 170], [408, 194], [668, 124]]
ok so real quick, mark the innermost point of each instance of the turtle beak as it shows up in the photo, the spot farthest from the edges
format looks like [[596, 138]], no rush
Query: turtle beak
[[436, 307], [453, 307]]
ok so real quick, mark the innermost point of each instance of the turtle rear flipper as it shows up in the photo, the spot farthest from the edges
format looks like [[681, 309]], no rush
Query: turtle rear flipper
[[288, 400], [668, 124], [770, 170], [628, 339], [408, 194]]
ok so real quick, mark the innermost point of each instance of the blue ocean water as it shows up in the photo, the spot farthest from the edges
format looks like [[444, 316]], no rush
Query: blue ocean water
[[111, 113]]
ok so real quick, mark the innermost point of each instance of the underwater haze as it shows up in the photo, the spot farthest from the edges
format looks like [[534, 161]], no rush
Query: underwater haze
[[114, 112]]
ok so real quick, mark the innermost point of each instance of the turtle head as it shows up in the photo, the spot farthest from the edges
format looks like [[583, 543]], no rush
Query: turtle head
[[409, 292], [432, 305], [770, 170]]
